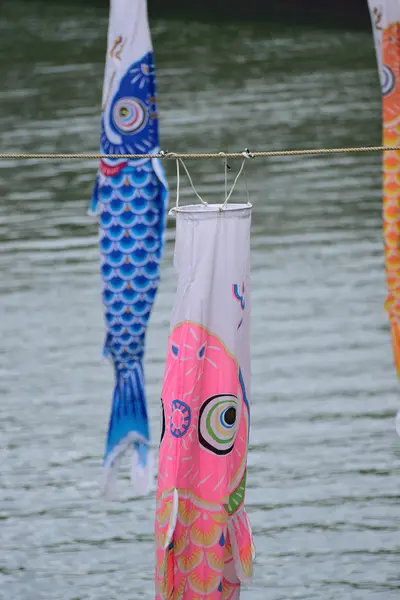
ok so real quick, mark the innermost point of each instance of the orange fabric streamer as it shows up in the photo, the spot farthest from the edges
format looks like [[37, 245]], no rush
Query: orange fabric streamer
[[391, 177]]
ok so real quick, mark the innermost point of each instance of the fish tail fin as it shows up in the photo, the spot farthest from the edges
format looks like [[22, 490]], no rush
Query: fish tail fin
[[129, 428], [243, 552]]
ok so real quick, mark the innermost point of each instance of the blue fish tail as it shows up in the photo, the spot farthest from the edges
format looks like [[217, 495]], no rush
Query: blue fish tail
[[129, 428]]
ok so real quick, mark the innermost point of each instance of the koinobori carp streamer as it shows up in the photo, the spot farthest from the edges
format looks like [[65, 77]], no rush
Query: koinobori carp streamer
[[203, 536], [130, 198], [385, 17]]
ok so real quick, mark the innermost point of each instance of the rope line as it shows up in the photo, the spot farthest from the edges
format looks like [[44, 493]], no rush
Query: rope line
[[199, 155]]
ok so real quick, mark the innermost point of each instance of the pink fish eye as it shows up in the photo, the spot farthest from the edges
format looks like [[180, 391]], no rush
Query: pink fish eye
[[218, 423]]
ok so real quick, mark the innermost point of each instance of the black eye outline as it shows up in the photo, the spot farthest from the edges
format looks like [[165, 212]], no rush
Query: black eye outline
[[163, 421], [122, 104], [232, 402]]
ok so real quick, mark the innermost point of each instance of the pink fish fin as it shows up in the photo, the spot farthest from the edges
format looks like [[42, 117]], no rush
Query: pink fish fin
[[230, 582], [243, 551], [166, 517]]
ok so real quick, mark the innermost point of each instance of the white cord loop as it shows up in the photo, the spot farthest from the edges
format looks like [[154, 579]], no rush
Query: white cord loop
[[178, 187], [246, 154], [233, 187], [178, 182], [226, 169]]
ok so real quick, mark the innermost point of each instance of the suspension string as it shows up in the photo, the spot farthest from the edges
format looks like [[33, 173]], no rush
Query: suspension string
[[191, 183], [247, 187], [233, 186], [178, 184], [226, 176], [226, 169], [247, 155]]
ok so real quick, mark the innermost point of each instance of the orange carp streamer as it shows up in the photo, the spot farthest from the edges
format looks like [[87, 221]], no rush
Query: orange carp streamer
[[391, 178], [385, 18]]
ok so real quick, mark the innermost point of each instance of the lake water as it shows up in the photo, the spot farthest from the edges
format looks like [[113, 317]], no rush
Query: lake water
[[324, 460]]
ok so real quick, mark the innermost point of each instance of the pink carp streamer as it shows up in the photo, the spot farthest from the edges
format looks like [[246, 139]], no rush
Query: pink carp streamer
[[204, 545], [385, 16]]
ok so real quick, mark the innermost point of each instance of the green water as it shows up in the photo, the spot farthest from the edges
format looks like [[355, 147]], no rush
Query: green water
[[323, 489]]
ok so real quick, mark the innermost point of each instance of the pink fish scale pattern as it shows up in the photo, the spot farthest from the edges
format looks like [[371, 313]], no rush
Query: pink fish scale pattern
[[203, 536]]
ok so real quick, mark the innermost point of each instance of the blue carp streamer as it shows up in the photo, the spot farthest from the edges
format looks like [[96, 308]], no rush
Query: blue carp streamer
[[130, 198]]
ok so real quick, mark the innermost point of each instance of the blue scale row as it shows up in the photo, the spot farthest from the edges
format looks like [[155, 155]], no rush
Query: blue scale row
[[128, 218], [118, 278], [128, 319], [134, 177], [125, 352], [117, 206], [115, 231], [128, 244], [108, 193], [138, 259], [118, 304]]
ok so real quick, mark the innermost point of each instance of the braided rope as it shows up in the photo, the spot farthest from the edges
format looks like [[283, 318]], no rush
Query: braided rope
[[206, 155]]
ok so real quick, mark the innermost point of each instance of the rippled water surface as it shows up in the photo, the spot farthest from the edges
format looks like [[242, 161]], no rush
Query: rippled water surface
[[323, 491]]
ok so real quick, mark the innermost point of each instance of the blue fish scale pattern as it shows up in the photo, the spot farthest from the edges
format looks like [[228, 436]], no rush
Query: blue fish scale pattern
[[131, 235]]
